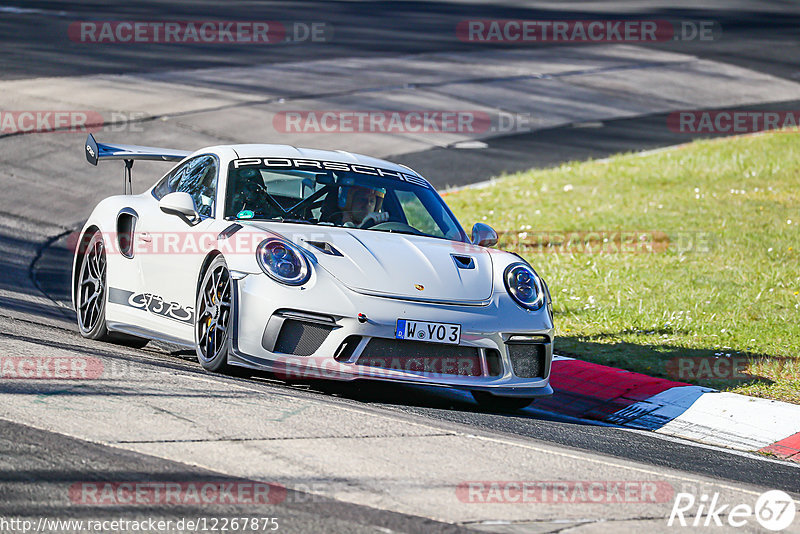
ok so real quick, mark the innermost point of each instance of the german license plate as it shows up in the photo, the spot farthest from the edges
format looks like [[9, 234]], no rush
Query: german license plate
[[426, 331]]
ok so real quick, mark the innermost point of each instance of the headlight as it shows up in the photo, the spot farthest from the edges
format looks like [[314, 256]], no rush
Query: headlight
[[524, 286], [282, 261]]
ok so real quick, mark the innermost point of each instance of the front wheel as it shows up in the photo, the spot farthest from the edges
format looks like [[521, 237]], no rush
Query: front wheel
[[213, 317], [500, 404]]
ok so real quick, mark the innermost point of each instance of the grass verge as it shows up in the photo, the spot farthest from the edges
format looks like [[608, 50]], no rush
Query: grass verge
[[683, 263]]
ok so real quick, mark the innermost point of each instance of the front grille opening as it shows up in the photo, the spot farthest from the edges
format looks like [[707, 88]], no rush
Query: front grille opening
[[346, 349], [493, 364], [527, 359], [301, 338], [420, 357]]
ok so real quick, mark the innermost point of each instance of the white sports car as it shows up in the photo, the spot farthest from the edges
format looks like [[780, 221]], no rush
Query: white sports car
[[311, 264]]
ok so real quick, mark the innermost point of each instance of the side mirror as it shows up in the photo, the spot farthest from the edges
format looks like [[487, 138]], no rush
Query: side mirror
[[484, 235], [178, 204]]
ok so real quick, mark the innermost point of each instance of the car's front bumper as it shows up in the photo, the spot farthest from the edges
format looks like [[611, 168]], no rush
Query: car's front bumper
[[486, 333]]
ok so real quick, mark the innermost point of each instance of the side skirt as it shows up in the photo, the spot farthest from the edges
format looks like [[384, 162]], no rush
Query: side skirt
[[149, 334]]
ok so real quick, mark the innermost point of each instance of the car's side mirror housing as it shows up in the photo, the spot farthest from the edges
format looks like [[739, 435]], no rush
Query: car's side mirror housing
[[484, 235], [178, 203]]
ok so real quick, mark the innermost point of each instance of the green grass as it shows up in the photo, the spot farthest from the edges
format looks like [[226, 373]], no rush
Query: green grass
[[717, 277]]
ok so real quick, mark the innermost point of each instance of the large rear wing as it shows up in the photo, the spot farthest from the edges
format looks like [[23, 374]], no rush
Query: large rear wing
[[96, 152]]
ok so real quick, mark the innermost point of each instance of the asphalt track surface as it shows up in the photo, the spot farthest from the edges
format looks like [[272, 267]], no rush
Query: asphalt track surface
[[35, 464], [757, 35]]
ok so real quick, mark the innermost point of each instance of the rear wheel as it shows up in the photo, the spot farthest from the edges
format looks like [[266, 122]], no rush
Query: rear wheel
[[213, 317], [90, 296], [500, 404]]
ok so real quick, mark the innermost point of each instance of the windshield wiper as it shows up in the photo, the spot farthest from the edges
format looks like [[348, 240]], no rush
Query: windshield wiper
[[285, 220], [393, 231]]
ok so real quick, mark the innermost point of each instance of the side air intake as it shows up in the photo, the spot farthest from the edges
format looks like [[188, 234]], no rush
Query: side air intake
[[296, 333]]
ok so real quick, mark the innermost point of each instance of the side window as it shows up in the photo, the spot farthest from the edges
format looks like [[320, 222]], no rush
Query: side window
[[169, 182], [198, 177], [162, 188]]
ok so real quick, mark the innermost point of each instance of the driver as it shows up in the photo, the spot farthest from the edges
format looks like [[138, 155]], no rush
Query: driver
[[248, 190], [362, 204]]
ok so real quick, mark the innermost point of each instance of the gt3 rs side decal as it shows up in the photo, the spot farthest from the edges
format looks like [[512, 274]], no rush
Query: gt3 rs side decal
[[151, 303]]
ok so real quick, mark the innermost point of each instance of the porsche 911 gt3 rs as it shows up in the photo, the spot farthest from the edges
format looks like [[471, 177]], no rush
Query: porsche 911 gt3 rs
[[310, 264]]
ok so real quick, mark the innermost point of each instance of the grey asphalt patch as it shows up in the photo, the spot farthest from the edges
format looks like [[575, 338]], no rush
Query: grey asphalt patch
[[38, 468], [502, 92]]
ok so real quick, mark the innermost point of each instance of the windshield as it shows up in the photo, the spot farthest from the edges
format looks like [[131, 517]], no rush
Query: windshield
[[333, 197]]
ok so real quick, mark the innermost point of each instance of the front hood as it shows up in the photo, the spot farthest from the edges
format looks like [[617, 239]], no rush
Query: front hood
[[402, 266]]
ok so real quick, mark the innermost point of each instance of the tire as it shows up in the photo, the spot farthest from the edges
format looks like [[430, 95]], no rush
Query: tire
[[90, 296], [212, 317], [500, 404]]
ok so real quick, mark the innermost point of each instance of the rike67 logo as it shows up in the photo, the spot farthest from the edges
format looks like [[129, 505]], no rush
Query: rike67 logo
[[774, 510]]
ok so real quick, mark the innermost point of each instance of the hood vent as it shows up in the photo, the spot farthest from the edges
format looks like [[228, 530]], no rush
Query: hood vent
[[464, 262], [325, 248]]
